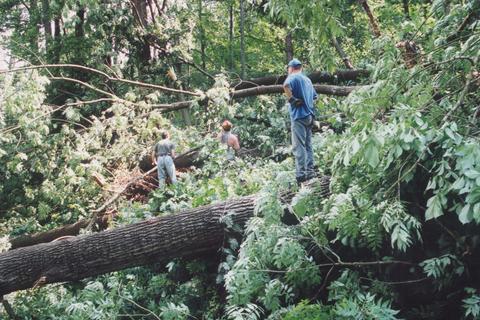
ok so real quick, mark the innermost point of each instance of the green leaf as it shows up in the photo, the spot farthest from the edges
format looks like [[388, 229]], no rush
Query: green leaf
[[371, 155], [474, 196], [472, 174], [434, 208], [465, 215]]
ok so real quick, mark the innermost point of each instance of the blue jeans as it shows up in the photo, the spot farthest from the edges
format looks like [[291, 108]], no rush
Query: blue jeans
[[165, 168], [302, 147]]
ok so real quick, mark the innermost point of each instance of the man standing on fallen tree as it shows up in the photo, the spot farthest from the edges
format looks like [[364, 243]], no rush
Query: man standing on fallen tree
[[301, 95], [162, 156]]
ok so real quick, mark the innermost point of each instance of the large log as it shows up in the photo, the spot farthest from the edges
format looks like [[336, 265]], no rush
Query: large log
[[184, 160], [316, 77], [275, 89], [156, 240], [252, 89]]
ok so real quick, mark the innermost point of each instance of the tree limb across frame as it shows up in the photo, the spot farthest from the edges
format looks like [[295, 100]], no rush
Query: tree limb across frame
[[158, 240], [316, 77]]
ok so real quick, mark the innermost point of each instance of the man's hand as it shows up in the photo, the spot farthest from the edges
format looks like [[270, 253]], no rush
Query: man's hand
[[295, 101]]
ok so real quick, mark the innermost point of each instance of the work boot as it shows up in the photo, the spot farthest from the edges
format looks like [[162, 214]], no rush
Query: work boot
[[300, 180], [310, 176]]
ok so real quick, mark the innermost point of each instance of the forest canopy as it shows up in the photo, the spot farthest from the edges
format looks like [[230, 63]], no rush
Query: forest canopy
[[388, 228]]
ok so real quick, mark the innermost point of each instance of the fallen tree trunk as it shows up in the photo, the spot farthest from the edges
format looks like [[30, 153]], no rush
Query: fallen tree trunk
[[173, 106], [316, 77], [253, 89], [155, 240], [320, 88], [184, 160]]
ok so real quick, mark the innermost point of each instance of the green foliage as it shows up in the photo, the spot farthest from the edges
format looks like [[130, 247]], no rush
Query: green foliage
[[402, 152], [399, 224], [307, 311], [437, 267], [352, 302]]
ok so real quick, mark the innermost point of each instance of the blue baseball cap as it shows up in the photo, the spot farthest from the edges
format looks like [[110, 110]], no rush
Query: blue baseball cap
[[294, 63]]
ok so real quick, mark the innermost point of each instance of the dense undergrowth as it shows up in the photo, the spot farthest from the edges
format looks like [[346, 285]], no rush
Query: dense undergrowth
[[397, 239]]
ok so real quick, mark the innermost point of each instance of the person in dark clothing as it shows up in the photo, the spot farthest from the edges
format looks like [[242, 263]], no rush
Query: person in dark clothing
[[162, 156], [301, 95]]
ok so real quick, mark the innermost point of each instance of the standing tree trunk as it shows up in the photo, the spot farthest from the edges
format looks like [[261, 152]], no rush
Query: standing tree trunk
[[289, 53], [406, 9], [152, 11], [33, 23], [80, 38], [47, 26], [79, 32], [201, 33], [371, 17], [230, 36], [242, 38], [343, 55], [157, 240], [57, 42], [178, 85], [140, 12]]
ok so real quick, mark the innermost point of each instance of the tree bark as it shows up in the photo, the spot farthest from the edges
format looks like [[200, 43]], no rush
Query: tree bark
[[157, 240], [316, 77], [321, 89], [371, 17]]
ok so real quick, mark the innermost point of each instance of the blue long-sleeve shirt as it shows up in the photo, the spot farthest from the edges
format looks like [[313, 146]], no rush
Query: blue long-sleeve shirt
[[302, 88]]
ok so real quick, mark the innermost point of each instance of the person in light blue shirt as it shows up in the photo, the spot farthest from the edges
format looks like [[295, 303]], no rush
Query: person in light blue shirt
[[301, 96]]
